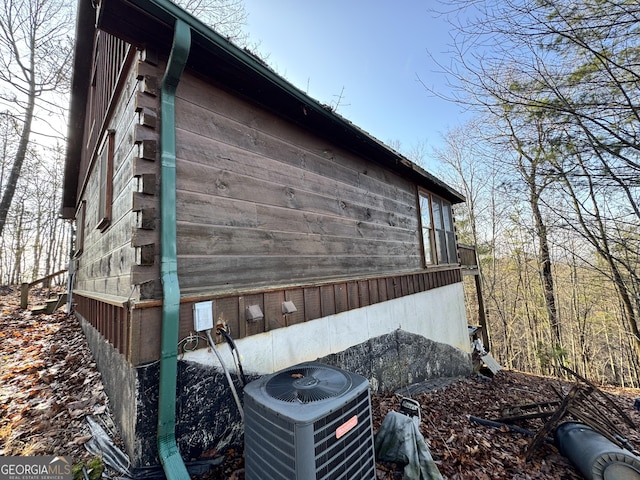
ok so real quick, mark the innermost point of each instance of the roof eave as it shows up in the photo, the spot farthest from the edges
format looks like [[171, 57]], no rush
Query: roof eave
[[261, 84], [303, 109], [85, 27]]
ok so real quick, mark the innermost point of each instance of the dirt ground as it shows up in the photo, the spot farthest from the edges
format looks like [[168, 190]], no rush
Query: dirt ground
[[49, 386]]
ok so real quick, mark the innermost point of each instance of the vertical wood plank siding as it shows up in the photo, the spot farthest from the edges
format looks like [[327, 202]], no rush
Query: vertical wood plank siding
[[112, 321]]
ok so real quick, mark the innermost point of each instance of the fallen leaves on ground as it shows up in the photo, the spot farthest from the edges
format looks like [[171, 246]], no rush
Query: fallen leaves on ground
[[465, 450], [49, 384]]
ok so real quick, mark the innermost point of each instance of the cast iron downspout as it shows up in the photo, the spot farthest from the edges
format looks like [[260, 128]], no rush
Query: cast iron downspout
[[168, 452]]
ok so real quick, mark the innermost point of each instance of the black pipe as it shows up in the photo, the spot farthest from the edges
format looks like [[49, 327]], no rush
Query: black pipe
[[235, 354], [493, 423], [595, 456]]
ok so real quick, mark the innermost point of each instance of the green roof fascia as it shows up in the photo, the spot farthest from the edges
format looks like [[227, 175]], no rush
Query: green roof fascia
[[168, 13]]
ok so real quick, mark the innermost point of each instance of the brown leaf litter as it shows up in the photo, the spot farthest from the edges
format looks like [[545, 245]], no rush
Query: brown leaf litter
[[49, 384]]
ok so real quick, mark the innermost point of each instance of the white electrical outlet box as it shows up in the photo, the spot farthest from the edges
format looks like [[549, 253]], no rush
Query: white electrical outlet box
[[203, 316]]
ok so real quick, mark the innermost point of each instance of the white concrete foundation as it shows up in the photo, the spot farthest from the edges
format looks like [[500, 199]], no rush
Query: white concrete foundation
[[437, 314]]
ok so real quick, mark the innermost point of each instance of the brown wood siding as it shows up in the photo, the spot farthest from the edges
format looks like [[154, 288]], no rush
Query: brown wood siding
[[125, 253], [311, 301], [104, 266], [263, 207], [112, 321], [262, 202], [111, 59]]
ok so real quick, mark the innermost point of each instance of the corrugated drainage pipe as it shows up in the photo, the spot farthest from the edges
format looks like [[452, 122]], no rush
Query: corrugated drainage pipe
[[168, 452], [594, 455]]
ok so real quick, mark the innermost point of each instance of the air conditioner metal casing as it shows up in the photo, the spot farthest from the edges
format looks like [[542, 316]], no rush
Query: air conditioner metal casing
[[287, 440]]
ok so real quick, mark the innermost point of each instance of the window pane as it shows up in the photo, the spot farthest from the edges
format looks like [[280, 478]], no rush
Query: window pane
[[451, 245], [428, 248], [437, 213], [441, 246], [427, 228], [424, 211], [104, 164], [80, 218], [448, 217], [105, 199]]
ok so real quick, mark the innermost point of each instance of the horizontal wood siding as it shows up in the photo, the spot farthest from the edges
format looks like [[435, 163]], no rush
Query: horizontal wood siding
[[111, 58], [311, 301], [262, 202], [105, 263], [122, 259]]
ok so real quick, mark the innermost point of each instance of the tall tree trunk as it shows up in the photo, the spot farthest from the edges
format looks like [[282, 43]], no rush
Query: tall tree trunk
[[18, 248], [21, 153], [544, 264], [600, 240]]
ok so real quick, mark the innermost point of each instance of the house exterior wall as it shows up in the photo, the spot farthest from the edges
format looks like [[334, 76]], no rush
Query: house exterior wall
[[312, 301], [438, 315], [262, 202], [104, 264], [393, 344], [121, 384], [267, 212], [106, 267]]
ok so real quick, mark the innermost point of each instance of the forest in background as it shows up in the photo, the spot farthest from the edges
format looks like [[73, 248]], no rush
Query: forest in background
[[36, 53], [549, 166], [550, 169]]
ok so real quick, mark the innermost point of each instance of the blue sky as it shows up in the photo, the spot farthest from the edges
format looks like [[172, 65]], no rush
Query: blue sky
[[374, 50]]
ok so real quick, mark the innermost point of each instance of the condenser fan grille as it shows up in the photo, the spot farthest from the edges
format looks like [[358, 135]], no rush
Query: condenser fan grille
[[307, 384]]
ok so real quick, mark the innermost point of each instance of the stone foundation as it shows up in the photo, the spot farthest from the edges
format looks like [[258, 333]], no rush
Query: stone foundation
[[207, 418]]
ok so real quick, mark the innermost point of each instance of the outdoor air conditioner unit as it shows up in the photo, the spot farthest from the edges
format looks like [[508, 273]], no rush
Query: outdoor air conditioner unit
[[309, 421]]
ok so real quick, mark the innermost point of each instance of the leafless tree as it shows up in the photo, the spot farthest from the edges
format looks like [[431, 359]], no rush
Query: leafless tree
[[35, 52], [226, 17], [569, 69]]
